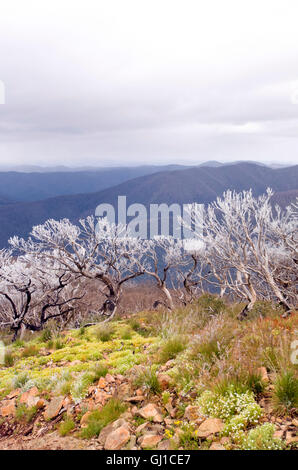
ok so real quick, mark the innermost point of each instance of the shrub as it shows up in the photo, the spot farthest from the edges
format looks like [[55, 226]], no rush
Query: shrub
[[29, 351], [25, 414], [166, 397], [148, 379], [46, 335], [98, 419], [250, 414], [242, 383], [20, 380], [66, 426], [126, 333], [187, 437], [238, 410], [100, 370], [261, 438], [79, 388], [9, 359], [82, 331], [255, 383], [138, 328], [211, 304], [18, 343], [171, 348], [59, 344], [285, 395], [104, 332]]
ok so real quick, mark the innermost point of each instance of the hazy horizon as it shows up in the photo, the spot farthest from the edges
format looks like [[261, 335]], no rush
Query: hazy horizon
[[130, 83]]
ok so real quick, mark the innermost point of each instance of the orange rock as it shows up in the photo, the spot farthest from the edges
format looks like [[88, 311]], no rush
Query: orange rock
[[84, 419], [53, 408], [151, 411], [102, 383], [192, 413], [109, 379], [164, 381], [150, 440], [216, 446], [210, 426], [9, 408], [117, 439], [262, 371], [27, 396], [15, 393]]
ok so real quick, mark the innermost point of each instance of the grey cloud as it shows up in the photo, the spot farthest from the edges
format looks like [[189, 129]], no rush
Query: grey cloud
[[104, 82]]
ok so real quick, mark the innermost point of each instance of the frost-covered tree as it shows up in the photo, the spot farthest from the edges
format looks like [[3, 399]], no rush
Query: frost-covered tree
[[242, 250], [95, 250], [33, 293]]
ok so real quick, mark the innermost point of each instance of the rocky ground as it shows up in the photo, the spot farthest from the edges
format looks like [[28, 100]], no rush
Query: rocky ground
[[88, 390]]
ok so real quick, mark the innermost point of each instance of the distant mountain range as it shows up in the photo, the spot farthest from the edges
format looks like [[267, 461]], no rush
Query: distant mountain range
[[195, 184], [156, 168]]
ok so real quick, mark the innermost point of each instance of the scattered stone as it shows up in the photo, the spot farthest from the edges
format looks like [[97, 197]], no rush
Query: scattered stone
[[151, 411], [15, 393], [124, 391], [192, 413], [224, 440], [164, 381], [262, 371], [291, 439], [209, 427], [9, 408], [132, 442], [110, 428], [109, 379], [216, 446], [278, 434], [135, 399], [26, 397], [53, 408], [164, 445], [117, 439], [150, 440], [102, 382], [84, 419], [142, 427]]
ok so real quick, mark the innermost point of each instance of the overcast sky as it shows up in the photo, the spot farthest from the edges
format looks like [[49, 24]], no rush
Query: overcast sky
[[109, 82]]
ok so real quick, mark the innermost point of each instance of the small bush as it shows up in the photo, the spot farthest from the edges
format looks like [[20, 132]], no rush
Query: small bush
[[9, 359], [46, 335], [126, 334], [100, 370], [98, 419], [261, 438], [82, 331], [25, 414], [187, 437], [285, 396], [238, 410], [138, 328], [66, 427], [148, 379], [171, 348], [59, 344], [255, 383], [104, 332], [211, 304], [20, 380], [29, 351], [166, 397]]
